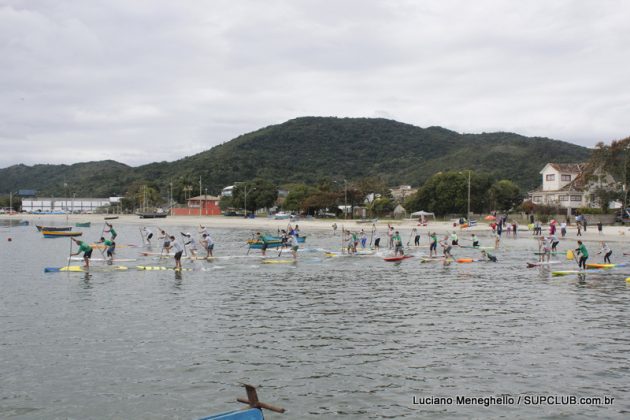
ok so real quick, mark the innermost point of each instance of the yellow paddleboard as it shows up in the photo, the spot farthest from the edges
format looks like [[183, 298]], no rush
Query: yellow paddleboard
[[278, 261]]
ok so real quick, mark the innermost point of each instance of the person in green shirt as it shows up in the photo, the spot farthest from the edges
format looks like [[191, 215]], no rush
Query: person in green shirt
[[434, 243], [111, 247], [583, 252], [86, 249], [398, 245], [111, 230]]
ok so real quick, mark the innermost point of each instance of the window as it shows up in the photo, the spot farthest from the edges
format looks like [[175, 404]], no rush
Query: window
[[564, 177], [576, 198], [564, 198], [537, 199], [550, 177]]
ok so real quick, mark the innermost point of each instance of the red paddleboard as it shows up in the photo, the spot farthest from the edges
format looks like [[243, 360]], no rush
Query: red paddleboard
[[399, 258]]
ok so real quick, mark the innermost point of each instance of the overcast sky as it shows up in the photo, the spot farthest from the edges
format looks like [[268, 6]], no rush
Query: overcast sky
[[141, 81]]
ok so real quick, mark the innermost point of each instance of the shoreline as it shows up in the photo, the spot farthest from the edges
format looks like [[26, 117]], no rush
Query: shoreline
[[609, 233]]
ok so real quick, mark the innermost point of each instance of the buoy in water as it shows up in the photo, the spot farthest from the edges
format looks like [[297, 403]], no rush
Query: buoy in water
[[9, 239]]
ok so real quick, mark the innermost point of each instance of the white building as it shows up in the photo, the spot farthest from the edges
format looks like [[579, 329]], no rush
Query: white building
[[564, 185], [70, 204], [561, 186]]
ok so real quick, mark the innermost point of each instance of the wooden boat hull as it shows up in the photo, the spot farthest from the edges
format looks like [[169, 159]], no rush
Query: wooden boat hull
[[151, 215], [56, 234], [53, 228], [86, 224]]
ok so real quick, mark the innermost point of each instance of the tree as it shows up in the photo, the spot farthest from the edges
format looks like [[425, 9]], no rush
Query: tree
[[447, 193], [258, 193], [297, 194], [320, 201], [504, 195], [140, 194]]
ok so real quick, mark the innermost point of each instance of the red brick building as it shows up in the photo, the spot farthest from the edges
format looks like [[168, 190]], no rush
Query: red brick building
[[202, 205]]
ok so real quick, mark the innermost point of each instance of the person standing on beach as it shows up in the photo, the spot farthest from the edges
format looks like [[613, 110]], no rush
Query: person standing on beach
[[179, 250], [334, 227], [111, 230], [600, 227], [563, 229], [579, 228], [87, 252], [583, 253], [606, 251]]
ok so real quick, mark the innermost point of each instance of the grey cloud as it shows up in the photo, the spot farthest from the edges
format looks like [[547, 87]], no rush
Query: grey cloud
[[128, 80]]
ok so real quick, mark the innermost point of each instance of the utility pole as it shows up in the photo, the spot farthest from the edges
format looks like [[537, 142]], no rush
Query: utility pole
[[200, 193], [345, 205], [468, 214]]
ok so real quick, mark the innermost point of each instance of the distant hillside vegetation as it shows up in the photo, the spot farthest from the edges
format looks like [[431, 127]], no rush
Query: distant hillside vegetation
[[312, 148]]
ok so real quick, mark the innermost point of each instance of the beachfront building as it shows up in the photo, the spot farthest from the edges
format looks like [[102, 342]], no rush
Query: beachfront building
[[565, 185], [67, 204], [202, 205]]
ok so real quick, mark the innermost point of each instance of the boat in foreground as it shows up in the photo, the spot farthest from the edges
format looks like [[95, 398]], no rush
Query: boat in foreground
[[254, 412]]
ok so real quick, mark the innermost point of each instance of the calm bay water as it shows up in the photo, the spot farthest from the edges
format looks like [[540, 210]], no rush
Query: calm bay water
[[347, 337]]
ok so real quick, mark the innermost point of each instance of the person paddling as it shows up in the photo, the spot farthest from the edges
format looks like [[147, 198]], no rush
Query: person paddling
[[583, 253], [488, 256], [86, 249], [433, 246], [111, 231], [179, 250], [606, 251], [398, 245], [166, 238], [148, 234], [263, 243], [208, 244], [475, 241], [295, 245], [192, 244], [446, 247], [111, 247]]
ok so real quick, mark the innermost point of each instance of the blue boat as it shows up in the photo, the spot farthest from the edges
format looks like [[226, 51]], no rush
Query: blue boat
[[254, 412], [250, 414]]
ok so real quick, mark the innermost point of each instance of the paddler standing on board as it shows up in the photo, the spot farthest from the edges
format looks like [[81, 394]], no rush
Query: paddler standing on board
[[192, 244], [208, 244], [179, 250], [583, 253], [166, 238], [111, 230], [454, 239], [263, 243], [148, 234], [86, 249], [446, 248], [488, 256], [295, 245], [111, 247], [607, 252], [475, 241], [433, 246], [398, 245]]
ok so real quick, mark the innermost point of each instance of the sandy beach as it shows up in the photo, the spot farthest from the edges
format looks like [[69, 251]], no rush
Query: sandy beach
[[616, 233]]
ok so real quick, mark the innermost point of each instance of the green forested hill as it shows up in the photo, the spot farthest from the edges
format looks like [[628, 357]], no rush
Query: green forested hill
[[312, 148]]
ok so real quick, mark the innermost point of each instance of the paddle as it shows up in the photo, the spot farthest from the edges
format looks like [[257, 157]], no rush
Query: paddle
[[570, 256], [372, 234], [69, 256]]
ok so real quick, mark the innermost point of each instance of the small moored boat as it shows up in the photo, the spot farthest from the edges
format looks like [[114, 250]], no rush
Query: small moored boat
[[84, 224], [58, 234], [53, 228]]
